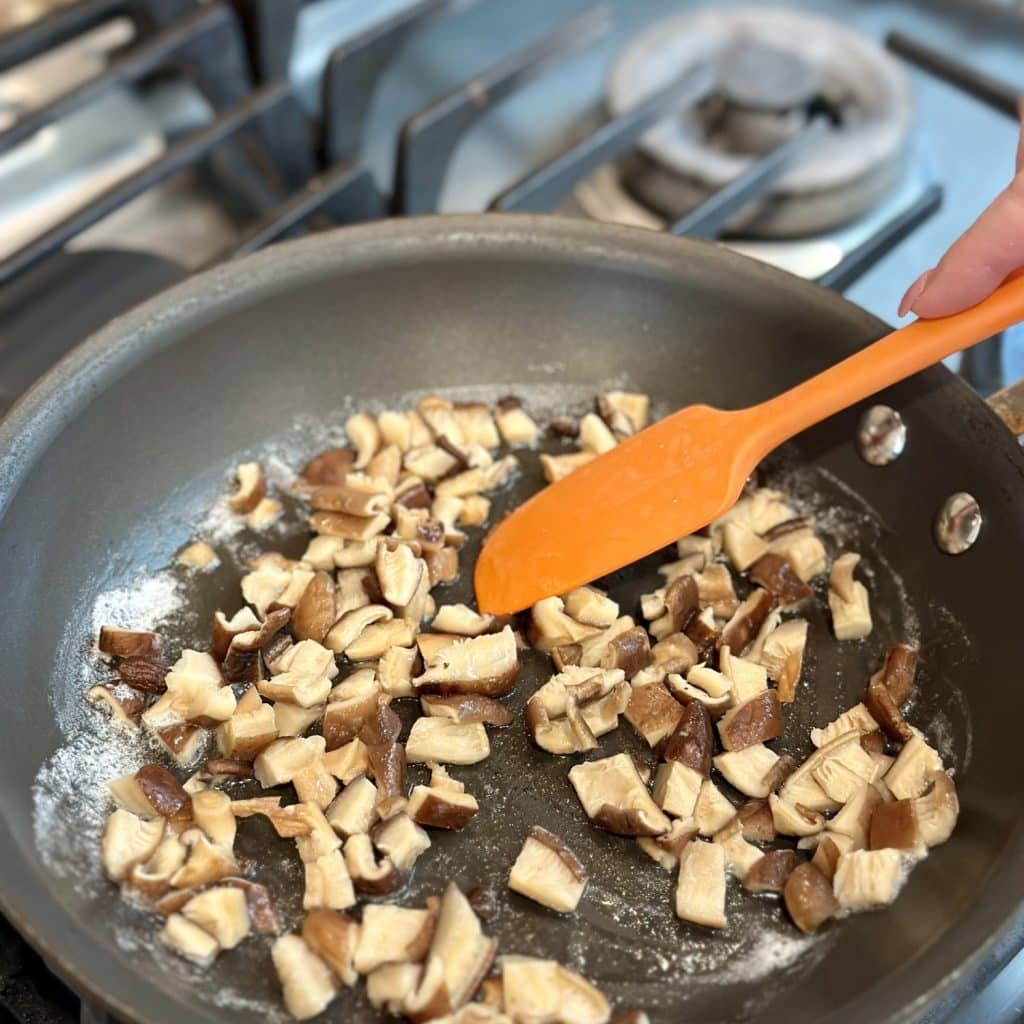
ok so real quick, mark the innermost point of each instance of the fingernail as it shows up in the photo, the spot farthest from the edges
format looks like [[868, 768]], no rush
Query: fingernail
[[914, 292]]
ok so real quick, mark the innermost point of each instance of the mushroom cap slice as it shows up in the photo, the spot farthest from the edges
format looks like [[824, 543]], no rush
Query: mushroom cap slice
[[333, 936], [809, 898], [441, 808], [466, 707], [615, 798], [769, 872], [692, 743], [369, 875], [713, 810], [653, 712], [487, 664], [354, 808], [543, 990], [754, 721], [548, 872], [700, 891], [894, 826]]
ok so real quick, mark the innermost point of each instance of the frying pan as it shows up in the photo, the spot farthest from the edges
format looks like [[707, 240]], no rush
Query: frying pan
[[108, 462]]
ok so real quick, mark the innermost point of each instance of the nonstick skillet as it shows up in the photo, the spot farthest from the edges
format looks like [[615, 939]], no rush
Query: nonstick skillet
[[107, 463]]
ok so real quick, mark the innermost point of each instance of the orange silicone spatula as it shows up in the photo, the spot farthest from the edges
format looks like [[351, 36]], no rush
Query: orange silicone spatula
[[684, 471]]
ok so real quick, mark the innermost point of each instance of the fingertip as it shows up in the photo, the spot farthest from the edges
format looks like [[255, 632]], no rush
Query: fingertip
[[914, 293]]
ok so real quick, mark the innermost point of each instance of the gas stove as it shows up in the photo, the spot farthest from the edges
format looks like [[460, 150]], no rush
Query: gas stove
[[849, 141]]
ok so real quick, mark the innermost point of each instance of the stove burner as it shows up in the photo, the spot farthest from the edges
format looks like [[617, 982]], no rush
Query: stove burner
[[755, 76], [776, 68]]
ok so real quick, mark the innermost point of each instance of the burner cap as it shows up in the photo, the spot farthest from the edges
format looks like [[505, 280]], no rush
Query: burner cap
[[756, 76], [775, 67]]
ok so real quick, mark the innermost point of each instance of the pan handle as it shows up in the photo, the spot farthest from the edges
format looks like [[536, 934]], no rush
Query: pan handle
[[1008, 405]]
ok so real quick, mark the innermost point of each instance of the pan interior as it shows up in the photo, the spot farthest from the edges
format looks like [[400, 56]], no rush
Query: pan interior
[[271, 369]]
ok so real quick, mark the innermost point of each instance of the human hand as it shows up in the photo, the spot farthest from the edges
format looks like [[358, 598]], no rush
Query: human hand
[[980, 259]]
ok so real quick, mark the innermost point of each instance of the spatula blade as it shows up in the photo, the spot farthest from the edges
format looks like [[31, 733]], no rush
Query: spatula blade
[[669, 480]]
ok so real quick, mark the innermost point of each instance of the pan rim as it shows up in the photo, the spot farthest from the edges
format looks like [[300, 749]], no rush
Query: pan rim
[[98, 362]]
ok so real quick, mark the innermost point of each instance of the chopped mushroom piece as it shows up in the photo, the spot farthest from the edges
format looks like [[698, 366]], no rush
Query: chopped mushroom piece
[[937, 809], [848, 600], [700, 891], [206, 862], [749, 769], [211, 810], [558, 467], [126, 705], [830, 848], [665, 849], [354, 809], [548, 872], [401, 840], [715, 590], [742, 546], [712, 811], [769, 873], [782, 654], [747, 620], [551, 626], [856, 719], [894, 826], [515, 425], [307, 983], [461, 620], [809, 899], [391, 934], [914, 768], [282, 760], [315, 613], [595, 436], [395, 671], [466, 707], [777, 576], [868, 878], [687, 694], [614, 797], [365, 436], [693, 742], [486, 664], [804, 552], [681, 602], [542, 990], [328, 883], [897, 673], [740, 856], [885, 711], [446, 742], [252, 485], [221, 911], [127, 643], [152, 792], [460, 956], [369, 875], [333, 936], [243, 736], [854, 820], [389, 986], [676, 788], [128, 840], [793, 819], [591, 607], [441, 808], [331, 466], [653, 712], [198, 555], [754, 721], [189, 940], [399, 571]]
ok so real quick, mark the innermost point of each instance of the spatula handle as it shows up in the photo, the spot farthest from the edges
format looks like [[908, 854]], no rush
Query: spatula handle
[[893, 358]]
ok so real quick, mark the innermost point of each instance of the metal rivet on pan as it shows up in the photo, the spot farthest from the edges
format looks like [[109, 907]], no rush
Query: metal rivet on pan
[[881, 435], [958, 523]]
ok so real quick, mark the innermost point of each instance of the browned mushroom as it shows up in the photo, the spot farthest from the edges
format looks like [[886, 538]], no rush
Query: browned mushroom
[[127, 643], [937, 809], [749, 769], [777, 576], [779, 772], [653, 712], [782, 654], [885, 711], [897, 672], [894, 826], [770, 872], [368, 874], [466, 707], [756, 818], [145, 674], [681, 605], [315, 613], [153, 790], [808, 897], [331, 466], [747, 620], [692, 743], [333, 936], [566, 655], [387, 763], [548, 872], [252, 486], [704, 634], [753, 721], [629, 651]]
